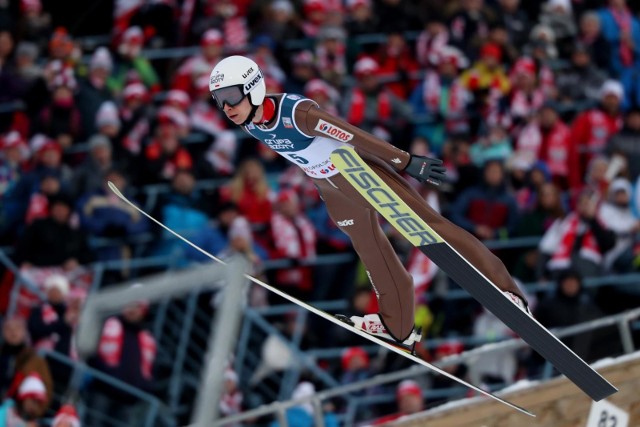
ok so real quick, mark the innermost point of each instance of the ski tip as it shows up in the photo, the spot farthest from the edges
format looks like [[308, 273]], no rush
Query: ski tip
[[113, 188]]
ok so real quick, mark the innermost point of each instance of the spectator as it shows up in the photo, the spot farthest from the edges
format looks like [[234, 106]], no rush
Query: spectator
[[183, 210], [494, 145], [526, 96], [93, 91], [263, 49], [568, 306], [558, 15], [164, 155], [432, 38], [515, 20], [14, 156], [616, 215], [592, 129], [470, 26], [231, 401], [314, 14], [303, 70], [324, 94], [626, 144], [622, 31], [108, 121], [591, 37], [55, 231], [409, 400], [395, 59], [62, 119], [294, 238], [330, 54], [487, 72], [373, 108], [130, 65], [89, 176], [38, 207], [548, 139], [360, 17], [577, 241], [448, 348], [29, 405], [126, 351], [442, 97], [134, 116], [582, 81], [250, 191], [66, 417], [303, 414], [35, 25], [488, 210], [48, 161], [18, 360], [51, 325], [545, 207], [280, 22], [103, 214], [201, 64]]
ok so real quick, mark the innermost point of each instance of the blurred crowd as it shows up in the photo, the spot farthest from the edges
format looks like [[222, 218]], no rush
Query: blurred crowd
[[534, 108]]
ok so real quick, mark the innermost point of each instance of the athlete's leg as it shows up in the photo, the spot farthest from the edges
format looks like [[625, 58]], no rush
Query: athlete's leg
[[390, 280], [464, 242]]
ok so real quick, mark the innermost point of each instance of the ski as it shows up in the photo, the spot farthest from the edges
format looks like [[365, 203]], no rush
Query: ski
[[425, 238], [323, 314]]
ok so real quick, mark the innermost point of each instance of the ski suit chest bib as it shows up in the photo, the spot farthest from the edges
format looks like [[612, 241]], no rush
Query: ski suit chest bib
[[310, 153]]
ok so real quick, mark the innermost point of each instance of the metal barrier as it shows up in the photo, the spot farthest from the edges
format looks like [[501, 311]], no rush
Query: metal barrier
[[621, 320], [83, 373]]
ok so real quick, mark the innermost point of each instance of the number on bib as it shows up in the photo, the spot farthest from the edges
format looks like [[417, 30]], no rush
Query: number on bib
[[299, 159]]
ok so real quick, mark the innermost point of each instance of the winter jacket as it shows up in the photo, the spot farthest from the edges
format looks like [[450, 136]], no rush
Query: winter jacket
[[48, 328], [48, 243], [484, 205], [627, 143], [127, 352], [611, 32], [581, 83], [88, 100]]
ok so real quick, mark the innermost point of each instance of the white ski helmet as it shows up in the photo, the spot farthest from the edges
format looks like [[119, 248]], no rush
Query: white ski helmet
[[235, 77]]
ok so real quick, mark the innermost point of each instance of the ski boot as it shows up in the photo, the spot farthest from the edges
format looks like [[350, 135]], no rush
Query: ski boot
[[372, 325]]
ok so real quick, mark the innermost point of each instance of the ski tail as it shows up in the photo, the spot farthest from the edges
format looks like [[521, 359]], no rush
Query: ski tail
[[325, 315]]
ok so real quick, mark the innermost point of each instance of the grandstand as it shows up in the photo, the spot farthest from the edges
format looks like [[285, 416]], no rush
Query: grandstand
[[109, 321]]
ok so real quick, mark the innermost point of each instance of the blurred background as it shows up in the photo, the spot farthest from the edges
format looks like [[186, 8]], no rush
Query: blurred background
[[534, 108]]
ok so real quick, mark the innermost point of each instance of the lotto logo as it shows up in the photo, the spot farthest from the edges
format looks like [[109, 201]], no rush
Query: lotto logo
[[333, 131], [216, 78], [345, 223]]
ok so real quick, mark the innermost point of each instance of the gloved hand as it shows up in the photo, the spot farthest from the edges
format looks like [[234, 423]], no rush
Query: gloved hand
[[426, 169]]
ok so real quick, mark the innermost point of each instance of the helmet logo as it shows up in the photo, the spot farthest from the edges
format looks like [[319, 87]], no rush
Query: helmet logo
[[216, 78], [247, 73], [252, 83]]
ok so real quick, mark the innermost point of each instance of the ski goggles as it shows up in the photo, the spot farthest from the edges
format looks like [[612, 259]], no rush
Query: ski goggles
[[231, 95]]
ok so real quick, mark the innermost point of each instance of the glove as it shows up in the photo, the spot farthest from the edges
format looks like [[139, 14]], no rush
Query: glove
[[426, 169]]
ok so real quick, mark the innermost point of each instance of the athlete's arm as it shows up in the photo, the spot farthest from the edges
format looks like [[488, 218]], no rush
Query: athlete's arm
[[310, 119], [315, 122]]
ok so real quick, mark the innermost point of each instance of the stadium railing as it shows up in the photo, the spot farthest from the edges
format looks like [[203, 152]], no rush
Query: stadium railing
[[277, 409], [154, 412]]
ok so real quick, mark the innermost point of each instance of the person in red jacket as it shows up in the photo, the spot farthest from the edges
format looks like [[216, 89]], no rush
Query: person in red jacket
[[548, 139], [592, 128]]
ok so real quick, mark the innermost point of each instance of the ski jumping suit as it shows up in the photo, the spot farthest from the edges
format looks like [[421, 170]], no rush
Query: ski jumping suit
[[306, 136]]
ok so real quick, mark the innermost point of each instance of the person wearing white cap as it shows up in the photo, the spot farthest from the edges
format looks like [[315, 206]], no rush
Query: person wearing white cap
[[592, 128], [616, 215]]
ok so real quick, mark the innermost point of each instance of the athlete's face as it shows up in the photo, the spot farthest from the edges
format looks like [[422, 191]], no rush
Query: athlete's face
[[239, 113]]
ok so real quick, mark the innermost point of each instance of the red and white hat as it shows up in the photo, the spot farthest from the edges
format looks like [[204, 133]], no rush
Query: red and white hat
[[348, 355], [32, 387], [13, 139], [212, 37], [408, 387], [451, 55], [133, 36], [354, 4], [135, 91], [365, 66], [525, 66], [314, 86], [178, 98], [168, 114], [66, 414]]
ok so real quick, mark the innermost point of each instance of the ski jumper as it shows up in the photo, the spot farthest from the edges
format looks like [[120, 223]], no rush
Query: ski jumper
[[306, 136]]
